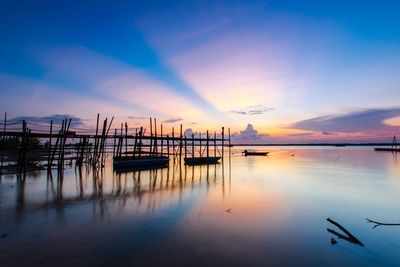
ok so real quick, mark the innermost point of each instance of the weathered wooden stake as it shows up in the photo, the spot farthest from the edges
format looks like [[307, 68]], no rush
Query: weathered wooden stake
[[223, 140]]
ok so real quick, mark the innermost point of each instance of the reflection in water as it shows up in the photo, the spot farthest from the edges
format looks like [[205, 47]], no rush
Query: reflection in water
[[96, 186], [265, 211]]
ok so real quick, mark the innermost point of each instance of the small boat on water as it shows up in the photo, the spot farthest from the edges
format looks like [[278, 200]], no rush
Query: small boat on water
[[394, 148], [255, 153], [140, 162], [202, 160]]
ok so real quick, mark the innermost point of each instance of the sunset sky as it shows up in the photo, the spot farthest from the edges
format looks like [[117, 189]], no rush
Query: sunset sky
[[296, 71]]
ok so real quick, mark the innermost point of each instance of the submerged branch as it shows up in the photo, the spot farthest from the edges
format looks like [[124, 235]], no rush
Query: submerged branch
[[381, 223], [351, 238]]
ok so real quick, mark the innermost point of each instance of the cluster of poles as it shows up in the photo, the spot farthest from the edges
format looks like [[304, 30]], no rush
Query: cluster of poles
[[61, 146], [177, 145]]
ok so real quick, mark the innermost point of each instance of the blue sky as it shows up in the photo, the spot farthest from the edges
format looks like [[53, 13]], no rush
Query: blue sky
[[273, 64]]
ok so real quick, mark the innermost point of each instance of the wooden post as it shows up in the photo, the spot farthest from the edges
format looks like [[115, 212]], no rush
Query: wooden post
[[208, 149], [135, 144], [49, 152], [126, 139], [180, 144], [192, 145], [229, 136], [223, 140], [162, 141], [168, 145], [185, 146], [200, 144], [2, 150], [64, 124], [215, 144], [95, 139], [140, 141], [115, 139], [151, 137], [155, 138], [173, 144]]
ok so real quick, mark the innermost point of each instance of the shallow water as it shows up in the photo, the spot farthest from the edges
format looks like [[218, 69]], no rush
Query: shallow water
[[178, 216]]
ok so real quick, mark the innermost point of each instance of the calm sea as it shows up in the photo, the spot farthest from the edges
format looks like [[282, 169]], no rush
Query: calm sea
[[248, 211]]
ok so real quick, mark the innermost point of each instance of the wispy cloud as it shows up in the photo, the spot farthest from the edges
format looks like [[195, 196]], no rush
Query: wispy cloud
[[366, 120], [57, 119], [172, 120], [300, 134], [328, 133], [136, 118], [252, 110]]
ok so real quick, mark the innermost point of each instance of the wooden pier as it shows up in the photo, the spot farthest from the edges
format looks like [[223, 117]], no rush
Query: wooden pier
[[62, 144]]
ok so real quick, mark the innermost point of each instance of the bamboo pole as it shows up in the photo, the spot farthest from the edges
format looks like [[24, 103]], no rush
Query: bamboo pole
[[185, 146], [95, 139], [115, 141], [151, 137], [208, 148], [162, 140], [215, 144], [168, 145], [223, 140], [200, 144], [192, 145], [180, 144], [126, 138], [2, 149], [49, 152], [155, 137]]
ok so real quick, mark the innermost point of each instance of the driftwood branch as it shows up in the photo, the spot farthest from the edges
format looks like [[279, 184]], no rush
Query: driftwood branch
[[348, 237], [381, 223]]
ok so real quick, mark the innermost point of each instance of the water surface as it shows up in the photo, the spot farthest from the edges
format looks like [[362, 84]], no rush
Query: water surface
[[248, 211]]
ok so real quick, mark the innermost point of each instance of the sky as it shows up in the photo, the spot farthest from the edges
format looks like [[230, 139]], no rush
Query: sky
[[272, 71]]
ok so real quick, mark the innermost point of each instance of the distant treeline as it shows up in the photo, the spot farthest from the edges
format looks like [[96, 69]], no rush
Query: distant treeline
[[12, 143]]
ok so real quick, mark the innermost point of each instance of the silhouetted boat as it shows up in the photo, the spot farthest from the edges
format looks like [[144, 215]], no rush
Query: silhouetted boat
[[394, 148], [202, 160], [254, 153], [142, 162]]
